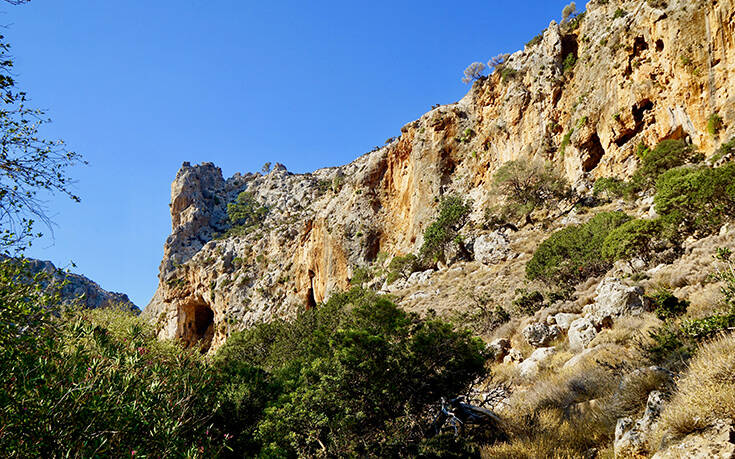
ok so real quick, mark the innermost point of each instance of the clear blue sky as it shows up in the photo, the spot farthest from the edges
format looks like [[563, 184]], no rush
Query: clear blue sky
[[138, 87]]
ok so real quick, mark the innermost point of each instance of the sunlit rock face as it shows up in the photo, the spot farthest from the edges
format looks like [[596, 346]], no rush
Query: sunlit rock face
[[642, 77]]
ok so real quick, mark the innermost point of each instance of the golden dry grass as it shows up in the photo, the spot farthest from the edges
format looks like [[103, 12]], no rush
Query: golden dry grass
[[704, 394], [568, 411], [626, 330]]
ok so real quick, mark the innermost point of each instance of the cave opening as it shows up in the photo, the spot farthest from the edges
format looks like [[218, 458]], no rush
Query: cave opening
[[595, 151], [639, 45], [639, 111], [659, 45], [569, 46], [310, 299], [197, 325]]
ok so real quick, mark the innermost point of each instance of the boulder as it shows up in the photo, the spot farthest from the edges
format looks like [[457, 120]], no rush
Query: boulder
[[530, 367], [514, 355], [631, 438], [491, 248], [614, 299], [564, 320], [581, 332], [420, 278], [539, 334], [499, 348]]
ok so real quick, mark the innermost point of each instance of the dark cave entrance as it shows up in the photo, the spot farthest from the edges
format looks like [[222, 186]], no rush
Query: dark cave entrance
[[310, 300], [595, 151], [197, 325]]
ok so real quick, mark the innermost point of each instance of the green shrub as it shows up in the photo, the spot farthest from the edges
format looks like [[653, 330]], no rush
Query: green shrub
[[714, 124], [507, 73], [574, 253], [245, 213], [612, 186], [361, 275], [666, 305], [96, 383], [402, 267], [565, 141], [528, 185], [619, 13], [569, 62], [667, 345], [667, 155], [353, 376], [727, 147], [708, 327], [453, 213], [535, 40], [528, 303], [631, 239], [699, 198]]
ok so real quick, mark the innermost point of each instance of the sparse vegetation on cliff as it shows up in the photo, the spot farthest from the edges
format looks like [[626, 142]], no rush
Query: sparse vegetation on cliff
[[245, 214]]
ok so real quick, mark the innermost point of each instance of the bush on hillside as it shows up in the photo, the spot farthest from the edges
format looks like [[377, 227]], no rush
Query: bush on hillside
[[700, 198], [528, 303], [401, 267], [612, 187], [453, 214], [631, 239], [667, 155], [245, 213], [355, 376], [666, 305], [96, 383], [573, 254]]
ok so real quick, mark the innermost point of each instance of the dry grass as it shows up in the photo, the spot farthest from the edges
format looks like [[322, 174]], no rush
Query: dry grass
[[704, 300], [626, 330], [568, 411], [704, 394], [507, 373]]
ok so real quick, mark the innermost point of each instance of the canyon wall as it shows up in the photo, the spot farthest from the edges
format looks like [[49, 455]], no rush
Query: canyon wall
[[639, 72]]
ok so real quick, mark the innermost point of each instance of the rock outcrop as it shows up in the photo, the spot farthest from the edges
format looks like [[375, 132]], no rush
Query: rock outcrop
[[583, 98], [78, 290]]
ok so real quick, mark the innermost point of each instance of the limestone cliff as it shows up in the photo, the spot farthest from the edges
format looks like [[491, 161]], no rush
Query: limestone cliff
[[639, 72]]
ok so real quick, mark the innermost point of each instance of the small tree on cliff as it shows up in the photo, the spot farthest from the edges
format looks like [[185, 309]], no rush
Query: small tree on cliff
[[453, 214], [473, 72], [569, 12], [528, 185]]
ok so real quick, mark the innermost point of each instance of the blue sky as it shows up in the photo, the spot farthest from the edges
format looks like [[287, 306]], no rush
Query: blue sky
[[138, 87]]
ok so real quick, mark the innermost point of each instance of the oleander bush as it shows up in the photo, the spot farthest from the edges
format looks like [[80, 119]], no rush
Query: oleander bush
[[96, 383]]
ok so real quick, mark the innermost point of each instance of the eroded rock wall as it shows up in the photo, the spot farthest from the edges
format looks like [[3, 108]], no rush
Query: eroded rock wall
[[642, 74]]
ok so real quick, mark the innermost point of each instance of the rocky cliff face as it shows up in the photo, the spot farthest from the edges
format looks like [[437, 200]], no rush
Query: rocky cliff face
[[79, 290], [639, 72]]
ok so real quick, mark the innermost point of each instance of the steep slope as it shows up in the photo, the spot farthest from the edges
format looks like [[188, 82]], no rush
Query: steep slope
[[639, 72]]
